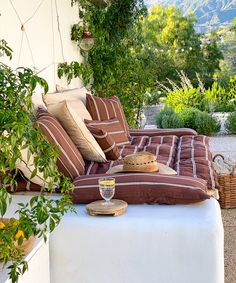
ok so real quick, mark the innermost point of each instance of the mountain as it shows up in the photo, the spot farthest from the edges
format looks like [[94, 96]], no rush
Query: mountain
[[211, 14]]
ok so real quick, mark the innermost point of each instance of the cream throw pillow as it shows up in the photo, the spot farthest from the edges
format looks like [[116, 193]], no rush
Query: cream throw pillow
[[77, 105], [26, 166], [68, 114], [72, 94]]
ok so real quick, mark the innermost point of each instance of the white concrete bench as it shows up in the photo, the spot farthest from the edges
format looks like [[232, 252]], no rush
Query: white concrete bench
[[150, 243]]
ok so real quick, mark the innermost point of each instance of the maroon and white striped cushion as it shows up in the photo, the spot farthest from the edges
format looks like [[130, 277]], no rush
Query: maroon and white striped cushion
[[105, 109], [143, 188], [163, 147], [106, 142], [70, 162], [112, 127], [194, 159]]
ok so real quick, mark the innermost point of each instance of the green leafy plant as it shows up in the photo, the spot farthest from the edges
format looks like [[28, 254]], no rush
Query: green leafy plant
[[220, 99], [41, 214], [203, 122], [188, 116], [206, 124], [185, 95], [230, 124], [167, 118]]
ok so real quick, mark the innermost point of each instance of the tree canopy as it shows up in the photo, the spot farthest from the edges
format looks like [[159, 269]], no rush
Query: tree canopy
[[176, 46]]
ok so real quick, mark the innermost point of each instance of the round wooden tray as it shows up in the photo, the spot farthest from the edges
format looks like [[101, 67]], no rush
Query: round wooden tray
[[98, 207]]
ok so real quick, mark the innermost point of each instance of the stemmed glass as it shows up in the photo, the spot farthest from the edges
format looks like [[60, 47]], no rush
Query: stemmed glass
[[107, 189]]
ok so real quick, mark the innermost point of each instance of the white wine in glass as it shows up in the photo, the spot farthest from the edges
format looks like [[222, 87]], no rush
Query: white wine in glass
[[107, 189]]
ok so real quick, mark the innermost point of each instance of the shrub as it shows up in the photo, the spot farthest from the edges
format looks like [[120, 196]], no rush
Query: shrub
[[188, 117], [203, 122], [167, 118], [180, 99], [230, 124], [221, 99], [206, 124]]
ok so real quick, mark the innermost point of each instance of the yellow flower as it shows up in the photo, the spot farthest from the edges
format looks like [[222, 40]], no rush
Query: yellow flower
[[19, 234], [2, 225]]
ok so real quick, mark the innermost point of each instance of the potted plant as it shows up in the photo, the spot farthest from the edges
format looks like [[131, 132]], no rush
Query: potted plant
[[41, 214]]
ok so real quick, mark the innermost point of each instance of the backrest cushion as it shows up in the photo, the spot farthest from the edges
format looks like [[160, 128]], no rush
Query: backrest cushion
[[71, 94], [105, 109], [68, 115], [112, 127], [77, 105], [106, 142], [70, 162]]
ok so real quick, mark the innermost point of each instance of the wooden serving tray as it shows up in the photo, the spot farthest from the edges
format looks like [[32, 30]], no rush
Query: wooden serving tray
[[98, 208]]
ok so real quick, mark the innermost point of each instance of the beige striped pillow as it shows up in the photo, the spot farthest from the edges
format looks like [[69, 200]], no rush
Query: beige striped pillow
[[112, 127], [106, 142], [69, 116], [107, 108], [70, 162]]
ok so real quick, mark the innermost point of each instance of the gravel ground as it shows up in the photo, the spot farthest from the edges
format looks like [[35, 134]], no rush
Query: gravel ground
[[226, 145]]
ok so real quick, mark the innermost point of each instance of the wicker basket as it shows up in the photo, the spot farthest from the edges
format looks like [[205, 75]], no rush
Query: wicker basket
[[228, 187]]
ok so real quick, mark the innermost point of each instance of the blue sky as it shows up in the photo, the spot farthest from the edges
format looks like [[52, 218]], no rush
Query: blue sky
[[150, 2]]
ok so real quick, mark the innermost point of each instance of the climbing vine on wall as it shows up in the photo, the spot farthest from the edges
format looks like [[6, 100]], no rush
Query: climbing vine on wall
[[116, 62]]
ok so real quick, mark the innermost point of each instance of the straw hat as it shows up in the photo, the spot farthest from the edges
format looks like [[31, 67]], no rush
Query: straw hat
[[142, 162]]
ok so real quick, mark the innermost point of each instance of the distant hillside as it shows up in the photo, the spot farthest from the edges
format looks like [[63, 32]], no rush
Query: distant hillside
[[211, 14]]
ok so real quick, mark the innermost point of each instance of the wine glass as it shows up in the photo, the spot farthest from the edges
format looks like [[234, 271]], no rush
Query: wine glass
[[107, 189]]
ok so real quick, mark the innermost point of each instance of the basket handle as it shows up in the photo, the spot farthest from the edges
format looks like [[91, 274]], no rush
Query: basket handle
[[220, 155]]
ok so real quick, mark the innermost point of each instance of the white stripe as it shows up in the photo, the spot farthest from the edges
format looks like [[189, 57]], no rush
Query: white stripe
[[192, 158], [117, 132], [122, 143], [178, 155], [209, 164], [186, 178], [141, 141], [105, 106], [121, 114], [145, 183], [171, 152], [90, 167], [100, 137], [96, 107], [131, 140], [109, 148], [149, 143], [104, 123]]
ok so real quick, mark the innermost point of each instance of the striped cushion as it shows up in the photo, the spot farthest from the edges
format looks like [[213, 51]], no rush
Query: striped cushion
[[194, 159], [112, 127], [106, 142], [163, 147], [70, 161], [105, 109], [143, 188]]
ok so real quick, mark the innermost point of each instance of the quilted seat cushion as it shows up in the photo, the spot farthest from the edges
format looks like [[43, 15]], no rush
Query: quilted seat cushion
[[194, 159], [163, 147]]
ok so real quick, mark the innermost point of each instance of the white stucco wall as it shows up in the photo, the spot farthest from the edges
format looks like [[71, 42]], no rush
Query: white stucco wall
[[41, 33]]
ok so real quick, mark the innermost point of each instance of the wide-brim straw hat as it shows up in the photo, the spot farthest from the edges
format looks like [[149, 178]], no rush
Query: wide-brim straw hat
[[142, 162]]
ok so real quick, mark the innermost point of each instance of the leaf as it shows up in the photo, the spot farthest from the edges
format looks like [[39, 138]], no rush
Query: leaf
[[34, 173], [51, 224]]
